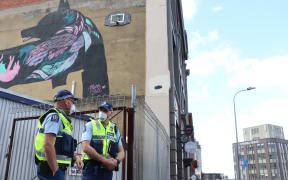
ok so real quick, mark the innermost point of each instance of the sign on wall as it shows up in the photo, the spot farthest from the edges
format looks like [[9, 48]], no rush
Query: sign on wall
[[190, 147]]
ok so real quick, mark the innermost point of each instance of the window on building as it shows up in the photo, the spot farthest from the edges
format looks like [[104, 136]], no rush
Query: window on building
[[273, 165], [251, 157], [251, 166], [272, 147], [253, 176], [259, 146], [261, 158], [255, 131], [262, 166], [242, 148]]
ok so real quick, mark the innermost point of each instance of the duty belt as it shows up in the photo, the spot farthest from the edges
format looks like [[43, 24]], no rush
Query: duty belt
[[61, 166], [58, 157], [92, 162]]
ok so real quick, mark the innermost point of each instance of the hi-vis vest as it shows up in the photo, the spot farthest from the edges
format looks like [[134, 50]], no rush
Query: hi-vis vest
[[39, 140], [104, 140]]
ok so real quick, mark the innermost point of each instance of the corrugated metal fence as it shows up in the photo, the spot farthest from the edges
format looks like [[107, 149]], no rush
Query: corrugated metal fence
[[145, 140], [152, 145]]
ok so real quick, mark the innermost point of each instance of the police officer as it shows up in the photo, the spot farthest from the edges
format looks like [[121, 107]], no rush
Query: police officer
[[54, 143], [102, 147]]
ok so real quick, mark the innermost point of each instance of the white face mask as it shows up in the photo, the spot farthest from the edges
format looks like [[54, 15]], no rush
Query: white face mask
[[73, 109], [102, 116]]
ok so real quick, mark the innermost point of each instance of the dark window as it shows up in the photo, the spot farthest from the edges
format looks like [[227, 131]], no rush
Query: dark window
[[255, 130]]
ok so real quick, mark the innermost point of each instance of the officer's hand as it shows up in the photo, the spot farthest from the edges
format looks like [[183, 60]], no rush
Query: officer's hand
[[115, 161], [79, 163], [110, 164], [54, 171]]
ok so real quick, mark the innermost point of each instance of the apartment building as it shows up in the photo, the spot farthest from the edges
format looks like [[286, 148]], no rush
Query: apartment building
[[264, 156]]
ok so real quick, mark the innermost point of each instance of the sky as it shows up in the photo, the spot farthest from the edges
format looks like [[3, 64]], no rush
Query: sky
[[235, 44]]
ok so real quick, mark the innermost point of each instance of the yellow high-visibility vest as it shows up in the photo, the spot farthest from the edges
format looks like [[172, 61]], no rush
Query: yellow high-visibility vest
[[39, 140], [103, 137]]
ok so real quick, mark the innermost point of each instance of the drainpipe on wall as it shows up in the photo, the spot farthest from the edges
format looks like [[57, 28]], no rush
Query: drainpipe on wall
[[173, 146], [172, 119]]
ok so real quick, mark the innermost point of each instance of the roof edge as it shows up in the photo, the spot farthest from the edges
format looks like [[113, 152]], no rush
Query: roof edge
[[17, 97]]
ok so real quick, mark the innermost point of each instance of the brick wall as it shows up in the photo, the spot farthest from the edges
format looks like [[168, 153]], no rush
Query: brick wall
[[5, 4]]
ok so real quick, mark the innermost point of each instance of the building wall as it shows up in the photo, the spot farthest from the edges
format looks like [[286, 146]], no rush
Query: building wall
[[212, 176], [198, 157], [157, 72], [157, 69], [109, 61], [263, 131], [5, 4], [178, 53], [266, 159]]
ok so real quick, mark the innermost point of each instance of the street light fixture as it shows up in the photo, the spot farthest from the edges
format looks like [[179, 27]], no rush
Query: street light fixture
[[237, 144]]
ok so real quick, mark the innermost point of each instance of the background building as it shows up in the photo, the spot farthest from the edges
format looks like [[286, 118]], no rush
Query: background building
[[213, 176], [100, 48], [262, 132], [266, 157], [198, 157]]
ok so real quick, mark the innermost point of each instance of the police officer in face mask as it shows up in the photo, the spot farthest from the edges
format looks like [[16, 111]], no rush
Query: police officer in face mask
[[102, 146], [54, 143]]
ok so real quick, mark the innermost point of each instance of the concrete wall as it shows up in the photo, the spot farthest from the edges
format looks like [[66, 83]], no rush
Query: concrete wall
[[124, 49], [157, 69], [157, 72]]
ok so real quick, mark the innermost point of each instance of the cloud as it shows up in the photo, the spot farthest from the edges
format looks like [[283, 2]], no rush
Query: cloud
[[197, 95], [269, 72], [218, 8], [189, 8], [196, 40], [207, 62], [213, 35]]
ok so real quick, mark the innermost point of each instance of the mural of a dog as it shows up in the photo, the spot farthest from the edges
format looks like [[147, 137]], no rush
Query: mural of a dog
[[69, 42]]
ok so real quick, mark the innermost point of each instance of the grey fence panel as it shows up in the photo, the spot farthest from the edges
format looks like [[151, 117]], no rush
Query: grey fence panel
[[152, 144], [149, 154], [22, 165], [8, 111], [163, 157], [5, 125]]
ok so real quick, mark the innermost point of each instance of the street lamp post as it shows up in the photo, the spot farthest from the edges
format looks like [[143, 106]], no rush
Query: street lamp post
[[237, 144]]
